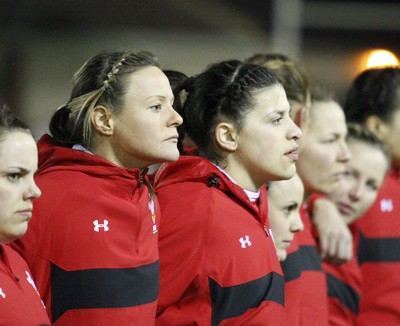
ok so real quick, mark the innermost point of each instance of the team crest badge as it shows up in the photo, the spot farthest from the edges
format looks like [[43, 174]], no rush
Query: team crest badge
[[153, 215]]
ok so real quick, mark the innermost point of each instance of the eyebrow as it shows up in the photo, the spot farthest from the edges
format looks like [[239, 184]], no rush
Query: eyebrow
[[21, 169], [279, 112], [159, 97]]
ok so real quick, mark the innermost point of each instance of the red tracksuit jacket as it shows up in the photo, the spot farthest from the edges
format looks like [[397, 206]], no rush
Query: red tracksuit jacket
[[92, 241], [218, 262], [20, 303], [379, 256], [305, 282], [343, 290]]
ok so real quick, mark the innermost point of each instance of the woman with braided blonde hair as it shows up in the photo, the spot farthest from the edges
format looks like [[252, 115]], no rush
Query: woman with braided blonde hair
[[92, 247]]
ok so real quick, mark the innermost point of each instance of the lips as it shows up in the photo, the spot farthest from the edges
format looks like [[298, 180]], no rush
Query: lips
[[339, 175], [286, 243], [173, 138], [345, 209], [27, 214], [293, 154]]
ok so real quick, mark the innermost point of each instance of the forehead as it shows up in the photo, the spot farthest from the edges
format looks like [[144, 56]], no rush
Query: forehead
[[368, 157], [271, 98], [283, 189], [146, 79], [327, 116], [17, 147]]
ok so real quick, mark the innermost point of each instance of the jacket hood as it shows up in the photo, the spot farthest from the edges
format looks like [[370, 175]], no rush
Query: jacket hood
[[190, 168], [53, 157], [198, 169]]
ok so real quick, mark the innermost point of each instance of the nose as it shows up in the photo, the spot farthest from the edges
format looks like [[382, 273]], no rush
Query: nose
[[344, 153], [294, 132], [175, 119], [32, 191], [357, 191], [297, 224]]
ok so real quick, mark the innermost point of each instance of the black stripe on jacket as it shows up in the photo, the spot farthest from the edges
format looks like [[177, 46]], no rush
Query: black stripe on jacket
[[234, 301], [347, 296], [306, 258], [378, 249], [103, 288]]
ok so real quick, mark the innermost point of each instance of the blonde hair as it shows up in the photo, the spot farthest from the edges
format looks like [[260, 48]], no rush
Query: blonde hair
[[292, 74], [101, 80]]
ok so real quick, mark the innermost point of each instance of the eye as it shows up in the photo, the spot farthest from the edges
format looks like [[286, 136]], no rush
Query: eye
[[157, 107], [13, 177], [290, 208], [333, 138], [276, 121], [372, 185], [330, 141]]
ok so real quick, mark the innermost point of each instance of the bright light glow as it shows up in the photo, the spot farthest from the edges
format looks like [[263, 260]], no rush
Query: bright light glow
[[379, 58]]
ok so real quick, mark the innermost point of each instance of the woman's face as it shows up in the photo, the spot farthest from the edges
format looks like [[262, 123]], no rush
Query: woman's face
[[323, 150], [18, 163], [267, 141], [146, 128], [359, 187], [284, 200]]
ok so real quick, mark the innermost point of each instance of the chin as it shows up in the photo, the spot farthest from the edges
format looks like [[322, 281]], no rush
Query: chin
[[284, 175], [282, 255], [171, 156], [350, 219], [14, 236]]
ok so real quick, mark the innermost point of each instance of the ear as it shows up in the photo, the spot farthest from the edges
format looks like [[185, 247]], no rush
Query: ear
[[377, 126], [102, 120], [226, 136]]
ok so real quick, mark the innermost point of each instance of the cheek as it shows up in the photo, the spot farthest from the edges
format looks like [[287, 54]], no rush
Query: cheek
[[278, 226], [367, 202], [322, 156], [6, 204], [267, 141]]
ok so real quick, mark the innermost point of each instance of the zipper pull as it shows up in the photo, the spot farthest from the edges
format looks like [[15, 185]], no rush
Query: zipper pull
[[266, 230], [213, 181]]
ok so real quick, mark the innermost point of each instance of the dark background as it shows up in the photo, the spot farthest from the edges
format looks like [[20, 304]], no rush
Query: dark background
[[43, 42]]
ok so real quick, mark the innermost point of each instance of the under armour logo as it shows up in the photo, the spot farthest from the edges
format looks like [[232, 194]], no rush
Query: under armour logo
[[30, 280], [97, 225], [2, 294], [245, 241], [386, 205]]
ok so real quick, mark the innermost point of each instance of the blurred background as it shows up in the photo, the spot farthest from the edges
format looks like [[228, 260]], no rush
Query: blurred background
[[43, 42]]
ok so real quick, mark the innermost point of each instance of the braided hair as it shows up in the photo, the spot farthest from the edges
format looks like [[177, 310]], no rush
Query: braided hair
[[223, 92], [102, 80]]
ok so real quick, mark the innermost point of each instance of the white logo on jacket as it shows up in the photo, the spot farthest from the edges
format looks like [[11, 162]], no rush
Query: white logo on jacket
[[245, 241], [104, 225], [30, 280], [2, 294], [386, 205]]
